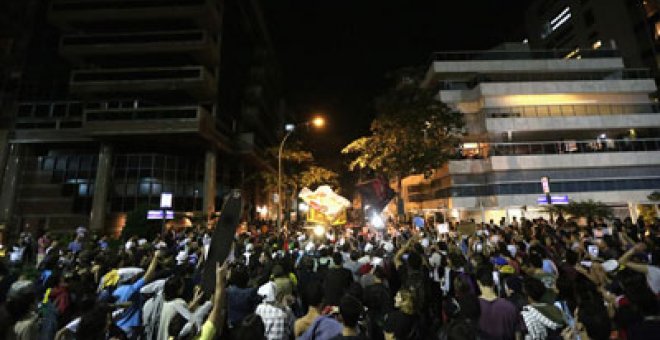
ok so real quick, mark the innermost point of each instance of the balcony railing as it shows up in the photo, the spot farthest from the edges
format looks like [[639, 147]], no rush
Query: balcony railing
[[566, 147], [191, 36], [570, 110], [519, 55], [627, 74], [49, 115], [61, 5], [142, 113]]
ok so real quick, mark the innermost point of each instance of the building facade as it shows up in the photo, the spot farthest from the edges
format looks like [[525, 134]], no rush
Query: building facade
[[630, 26], [124, 100], [587, 124]]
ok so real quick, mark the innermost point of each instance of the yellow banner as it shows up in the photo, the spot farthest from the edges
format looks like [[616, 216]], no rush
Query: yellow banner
[[315, 216]]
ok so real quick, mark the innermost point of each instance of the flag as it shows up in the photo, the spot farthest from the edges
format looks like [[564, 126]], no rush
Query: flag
[[376, 193]]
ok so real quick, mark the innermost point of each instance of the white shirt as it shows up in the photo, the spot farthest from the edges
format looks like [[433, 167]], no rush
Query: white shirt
[[167, 313], [653, 278]]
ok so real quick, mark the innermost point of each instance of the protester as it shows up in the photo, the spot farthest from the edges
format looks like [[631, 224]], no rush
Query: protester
[[532, 279]]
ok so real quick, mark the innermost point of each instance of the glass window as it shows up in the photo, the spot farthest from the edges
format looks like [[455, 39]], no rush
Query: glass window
[[146, 161], [120, 189], [133, 162], [145, 189], [131, 189]]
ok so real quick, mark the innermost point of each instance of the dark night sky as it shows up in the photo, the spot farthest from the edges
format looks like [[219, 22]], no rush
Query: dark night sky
[[335, 54]]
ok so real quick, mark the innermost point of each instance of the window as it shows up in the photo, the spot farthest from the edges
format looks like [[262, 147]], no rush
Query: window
[[556, 22], [572, 53]]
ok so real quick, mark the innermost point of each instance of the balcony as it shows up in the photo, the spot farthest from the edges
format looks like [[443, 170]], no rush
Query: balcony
[[520, 55], [468, 91], [464, 65], [571, 117], [198, 43], [558, 154], [76, 13], [145, 120], [197, 81], [572, 76], [574, 147], [45, 121]]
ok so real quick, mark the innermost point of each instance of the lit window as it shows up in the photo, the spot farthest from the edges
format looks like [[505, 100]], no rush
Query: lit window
[[560, 19], [597, 44], [556, 22], [572, 53]]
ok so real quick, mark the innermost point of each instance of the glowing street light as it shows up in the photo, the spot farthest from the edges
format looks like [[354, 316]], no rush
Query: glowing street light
[[317, 122]]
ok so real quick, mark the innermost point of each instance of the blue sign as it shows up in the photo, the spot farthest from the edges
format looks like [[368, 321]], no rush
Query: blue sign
[[158, 214], [555, 200], [418, 221]]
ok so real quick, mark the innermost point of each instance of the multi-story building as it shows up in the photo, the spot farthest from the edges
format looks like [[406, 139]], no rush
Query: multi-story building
[[15, 19], [631, 26], [587, 124], [123, 100]]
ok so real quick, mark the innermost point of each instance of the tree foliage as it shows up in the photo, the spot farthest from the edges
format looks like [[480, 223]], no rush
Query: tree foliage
[[413, 132], [654, 196], [590, 209], [298, 171], [316, 175], [138, 225]]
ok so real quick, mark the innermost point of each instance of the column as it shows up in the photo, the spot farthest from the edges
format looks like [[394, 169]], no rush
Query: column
[[101, 188], [10, 182], [4, 152], [208, 200], [632, 210]]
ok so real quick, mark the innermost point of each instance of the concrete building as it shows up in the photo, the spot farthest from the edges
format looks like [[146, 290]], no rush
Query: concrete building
[[588, 124], [124, 100], [632, 27]]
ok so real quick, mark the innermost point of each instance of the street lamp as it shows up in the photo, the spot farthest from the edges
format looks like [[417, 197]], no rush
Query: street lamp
[[317, 122]]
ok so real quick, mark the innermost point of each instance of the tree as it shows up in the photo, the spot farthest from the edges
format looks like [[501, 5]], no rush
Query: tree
[[590, 209], [316, 175], [298, 171], [138, 225], [413, 132], [654, 196]]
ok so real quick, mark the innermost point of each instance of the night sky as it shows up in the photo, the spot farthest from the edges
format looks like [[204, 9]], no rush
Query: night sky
[[335, 54]]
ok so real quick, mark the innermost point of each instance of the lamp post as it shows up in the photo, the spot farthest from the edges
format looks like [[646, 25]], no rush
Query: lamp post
[[316, 122]]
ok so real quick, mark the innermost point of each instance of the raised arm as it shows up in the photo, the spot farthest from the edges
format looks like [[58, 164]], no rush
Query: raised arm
[[151, 270], [625, 259], [216, 315]]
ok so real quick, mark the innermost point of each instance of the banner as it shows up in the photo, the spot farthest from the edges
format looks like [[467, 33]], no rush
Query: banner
[[223, 238], [325, 206]]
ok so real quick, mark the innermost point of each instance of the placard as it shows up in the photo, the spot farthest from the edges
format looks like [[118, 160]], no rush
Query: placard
[[166, 200], [466, 229], [443, 228]]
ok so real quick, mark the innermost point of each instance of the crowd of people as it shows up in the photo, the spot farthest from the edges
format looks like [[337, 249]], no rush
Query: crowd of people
[[527, 279]]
